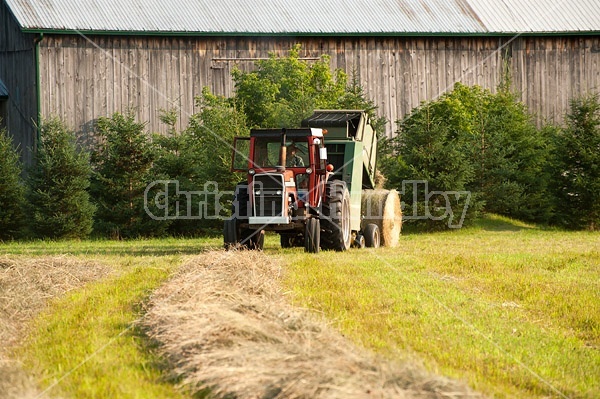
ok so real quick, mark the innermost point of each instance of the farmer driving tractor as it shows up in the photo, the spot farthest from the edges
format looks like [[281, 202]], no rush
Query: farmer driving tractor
[[293, 159]]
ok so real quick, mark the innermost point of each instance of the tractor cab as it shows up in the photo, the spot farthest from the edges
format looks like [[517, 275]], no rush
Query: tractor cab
[[285, 171]]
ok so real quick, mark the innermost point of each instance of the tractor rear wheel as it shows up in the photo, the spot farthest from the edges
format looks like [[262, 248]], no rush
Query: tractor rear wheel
[[312, 236], [335, 214], [372, 236]]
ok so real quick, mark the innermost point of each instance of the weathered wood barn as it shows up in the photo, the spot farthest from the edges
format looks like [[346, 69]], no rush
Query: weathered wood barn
[[82, 59]]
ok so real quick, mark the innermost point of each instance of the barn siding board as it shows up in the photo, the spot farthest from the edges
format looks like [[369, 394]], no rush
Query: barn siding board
[[60, 79], [116, 69], [436, 66], [170, 84], [398, 73], [92, 103]]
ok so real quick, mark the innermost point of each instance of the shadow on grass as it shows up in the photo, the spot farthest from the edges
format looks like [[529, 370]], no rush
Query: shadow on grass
[[493, 222], [488, 222], [139, 247]]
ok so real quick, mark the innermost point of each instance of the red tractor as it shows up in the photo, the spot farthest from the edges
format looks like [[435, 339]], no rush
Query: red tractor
[[293, 189]]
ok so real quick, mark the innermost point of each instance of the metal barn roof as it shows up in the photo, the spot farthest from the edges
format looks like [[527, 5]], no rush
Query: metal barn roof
[[538, 16], [332, 17]]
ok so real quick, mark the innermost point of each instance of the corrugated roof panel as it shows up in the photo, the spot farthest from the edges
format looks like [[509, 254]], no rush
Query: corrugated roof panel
[[258, 16], [310, 16], [538, 16]]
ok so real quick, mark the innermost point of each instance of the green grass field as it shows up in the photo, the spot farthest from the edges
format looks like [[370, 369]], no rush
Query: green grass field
[[512, 309]]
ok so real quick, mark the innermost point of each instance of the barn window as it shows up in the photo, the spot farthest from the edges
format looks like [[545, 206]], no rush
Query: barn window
[[3, 104]]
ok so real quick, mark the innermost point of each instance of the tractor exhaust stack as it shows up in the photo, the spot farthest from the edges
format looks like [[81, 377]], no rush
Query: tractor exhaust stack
[[283, 150]]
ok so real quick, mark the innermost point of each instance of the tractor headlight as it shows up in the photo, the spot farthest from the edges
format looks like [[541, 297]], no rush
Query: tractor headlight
[[309, 171], [251, 172]]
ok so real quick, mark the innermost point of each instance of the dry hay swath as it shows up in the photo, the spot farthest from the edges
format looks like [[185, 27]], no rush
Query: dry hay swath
[[382, 207], [26, 286], [224, 324]]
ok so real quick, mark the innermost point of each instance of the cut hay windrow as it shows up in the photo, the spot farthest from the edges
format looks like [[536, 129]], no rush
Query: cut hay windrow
[[26, 286], [225, 325]]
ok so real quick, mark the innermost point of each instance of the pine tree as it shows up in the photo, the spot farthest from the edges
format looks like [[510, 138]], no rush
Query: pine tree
[[510, 156], [59, 203], [578, 166], [11, 189], [432, 146], [212, 130], [122, 172], [179, 160], [474, 141]]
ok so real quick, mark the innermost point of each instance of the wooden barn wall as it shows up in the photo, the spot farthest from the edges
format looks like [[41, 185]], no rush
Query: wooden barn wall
[[551, 71], [87, 77], [17, 71]]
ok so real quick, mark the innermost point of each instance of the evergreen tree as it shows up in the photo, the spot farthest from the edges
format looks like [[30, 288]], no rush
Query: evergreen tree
[[510, 156], [472, 140], [433, 146], [122, 172], [577, 172], [212, 130], [355, 97], [59, 203], [11, 189], [180, 160]]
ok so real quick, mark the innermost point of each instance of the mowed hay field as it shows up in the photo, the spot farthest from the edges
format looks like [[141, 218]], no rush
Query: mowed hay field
[[509, 309]]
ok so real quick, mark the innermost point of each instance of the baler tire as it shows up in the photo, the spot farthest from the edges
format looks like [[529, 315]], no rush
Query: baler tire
[[372, 236], [288, 240]]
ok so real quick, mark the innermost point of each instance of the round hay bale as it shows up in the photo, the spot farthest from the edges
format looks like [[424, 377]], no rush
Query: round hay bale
[[382, 207]]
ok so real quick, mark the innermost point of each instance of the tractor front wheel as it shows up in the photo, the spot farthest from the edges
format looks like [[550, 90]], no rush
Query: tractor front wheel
[[312, 236], [253, 239], [230, 234], [290, 240]]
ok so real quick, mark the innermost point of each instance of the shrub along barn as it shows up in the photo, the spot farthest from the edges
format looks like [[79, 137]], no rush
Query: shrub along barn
[[80, 60]]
